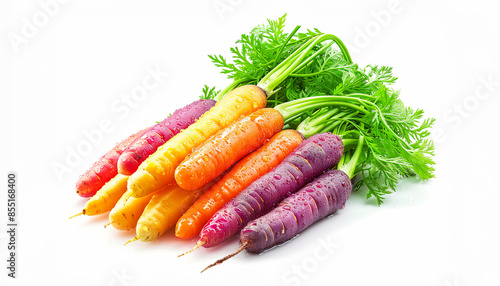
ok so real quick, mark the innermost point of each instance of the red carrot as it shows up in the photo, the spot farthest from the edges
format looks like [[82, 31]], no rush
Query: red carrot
[[104, 169]]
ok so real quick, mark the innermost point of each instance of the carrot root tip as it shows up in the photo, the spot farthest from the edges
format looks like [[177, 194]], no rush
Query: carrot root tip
[[106, 225], [198, 244], [243, 246], [78, 214], [132, 240]]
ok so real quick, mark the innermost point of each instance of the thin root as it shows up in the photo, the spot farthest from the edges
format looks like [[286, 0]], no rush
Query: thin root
[[78, 214], [198, 244], [106, 225], [132, 240], [243, 246]]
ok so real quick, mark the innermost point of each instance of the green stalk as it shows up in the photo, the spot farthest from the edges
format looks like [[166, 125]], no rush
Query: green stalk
[[292, 109], [228, 88], [299, 106], [324, 122], [286, 42], [348, 143], [350, 167], [297, 60], [271, 80], [318, 72]]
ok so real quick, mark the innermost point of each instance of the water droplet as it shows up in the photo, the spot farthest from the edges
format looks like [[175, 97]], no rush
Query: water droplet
[[223, 114], [343, 184], [205, 158], [286, 207], [259, 120], [239, 99], [319, 186], [255, 105], [277, 176], [266, 159]]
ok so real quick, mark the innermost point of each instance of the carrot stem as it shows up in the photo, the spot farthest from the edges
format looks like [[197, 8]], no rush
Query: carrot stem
[[350, 167], [298, 60], [243, 246]]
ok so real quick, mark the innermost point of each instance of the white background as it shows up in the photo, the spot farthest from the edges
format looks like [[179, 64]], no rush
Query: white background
[[79, 64]]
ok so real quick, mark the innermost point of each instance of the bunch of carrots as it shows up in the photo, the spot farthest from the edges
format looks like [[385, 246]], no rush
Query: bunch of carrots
[[269, 155]]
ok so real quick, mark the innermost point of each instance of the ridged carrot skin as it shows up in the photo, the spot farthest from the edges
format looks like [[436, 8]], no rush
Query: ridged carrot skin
[[241, 176], [158, 170], [324, 196], [127, 211], [105, 199], [315, 155], [160, 133], [227, 147], [104, 169], [164, 209]]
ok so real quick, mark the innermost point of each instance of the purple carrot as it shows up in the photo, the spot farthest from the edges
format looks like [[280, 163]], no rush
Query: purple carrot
[[160, 133], [315, 155], [322, 197]]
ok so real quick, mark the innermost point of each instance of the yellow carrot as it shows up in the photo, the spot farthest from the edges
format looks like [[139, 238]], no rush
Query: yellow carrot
[[126, 213], [164, 209], [105, 199], [158, 170]]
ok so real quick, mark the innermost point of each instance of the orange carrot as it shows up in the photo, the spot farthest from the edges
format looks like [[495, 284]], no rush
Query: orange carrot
[[158, 170], [241, 176], [228, 146]]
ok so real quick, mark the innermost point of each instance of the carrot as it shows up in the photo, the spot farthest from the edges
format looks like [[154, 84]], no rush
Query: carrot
[[126, 213], [160, 133], [315, 155], [104, 169], [320, 198], [158, 170], [241, 176], [226, 147], [163, 211], [105, 199]]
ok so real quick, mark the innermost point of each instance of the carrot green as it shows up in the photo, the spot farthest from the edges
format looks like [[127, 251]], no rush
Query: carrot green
[[317, 88]]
